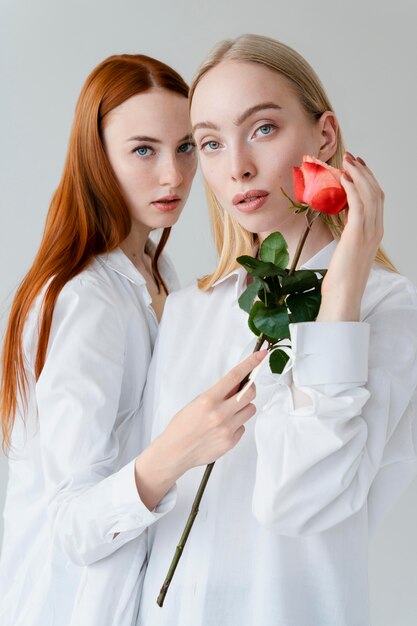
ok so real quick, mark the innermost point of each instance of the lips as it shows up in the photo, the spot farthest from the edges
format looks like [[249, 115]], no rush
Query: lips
[[250, 200], [167, 203]]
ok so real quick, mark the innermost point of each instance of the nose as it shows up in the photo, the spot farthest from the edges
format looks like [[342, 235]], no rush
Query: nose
[[170, 173], [242, 166]]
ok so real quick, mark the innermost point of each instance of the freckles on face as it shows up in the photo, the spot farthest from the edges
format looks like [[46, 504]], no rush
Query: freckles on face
[[250, 129]]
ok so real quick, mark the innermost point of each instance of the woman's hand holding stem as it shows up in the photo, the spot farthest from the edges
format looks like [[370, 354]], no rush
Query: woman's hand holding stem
[[199, 434]]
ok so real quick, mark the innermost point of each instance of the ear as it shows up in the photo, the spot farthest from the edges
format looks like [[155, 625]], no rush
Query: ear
[[328, 129]]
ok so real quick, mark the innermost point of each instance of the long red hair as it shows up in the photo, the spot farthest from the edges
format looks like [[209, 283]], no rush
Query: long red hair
[[87, 215]]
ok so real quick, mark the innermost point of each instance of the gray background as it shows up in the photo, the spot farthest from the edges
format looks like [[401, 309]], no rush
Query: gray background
[[365, 53]]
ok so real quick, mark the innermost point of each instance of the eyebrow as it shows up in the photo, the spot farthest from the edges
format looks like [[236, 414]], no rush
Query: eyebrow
[[243, 117], [188, 137]]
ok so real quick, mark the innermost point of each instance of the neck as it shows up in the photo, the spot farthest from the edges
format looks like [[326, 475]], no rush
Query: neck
[[134, 244], [318, 237]]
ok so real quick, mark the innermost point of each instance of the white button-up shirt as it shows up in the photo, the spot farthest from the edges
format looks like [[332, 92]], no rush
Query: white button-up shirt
[[281, 536], [71, 481]]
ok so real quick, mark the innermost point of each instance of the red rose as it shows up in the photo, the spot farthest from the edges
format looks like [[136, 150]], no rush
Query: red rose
[[318, 185]]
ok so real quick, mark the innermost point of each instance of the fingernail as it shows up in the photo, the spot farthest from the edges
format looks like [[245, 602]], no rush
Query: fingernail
[[349, 154], [350, 160], [361, 161], [348, 177]]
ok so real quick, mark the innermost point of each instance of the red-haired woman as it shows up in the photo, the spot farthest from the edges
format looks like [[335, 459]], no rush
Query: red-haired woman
[[76, 353]]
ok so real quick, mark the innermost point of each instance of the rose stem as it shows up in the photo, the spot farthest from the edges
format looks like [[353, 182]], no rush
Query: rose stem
[[195, 508], [302, 241]]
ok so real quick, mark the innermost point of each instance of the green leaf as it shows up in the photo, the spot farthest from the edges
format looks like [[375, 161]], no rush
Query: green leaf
[[274, 322], [304, 307], [252, 313], [274, 250], [248, 296], [301, 280], [267, 283], [254, 267], [267, 298], [277, 361]]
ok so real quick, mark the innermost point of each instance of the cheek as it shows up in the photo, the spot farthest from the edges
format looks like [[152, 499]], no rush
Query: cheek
[[280, 165], [123, 179], [192, 165], [305, 143], [213, 173], [116, 166], [122, 167], [188, 170], [135, 178]]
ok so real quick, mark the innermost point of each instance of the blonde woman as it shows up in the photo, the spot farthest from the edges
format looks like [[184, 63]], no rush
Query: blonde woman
[[281, 536]]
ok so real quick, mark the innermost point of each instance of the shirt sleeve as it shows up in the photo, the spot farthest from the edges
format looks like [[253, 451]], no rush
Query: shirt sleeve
[[92, 508], [316, 464]]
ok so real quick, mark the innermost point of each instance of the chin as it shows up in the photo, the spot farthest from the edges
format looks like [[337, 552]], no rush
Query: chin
[[257, 223], [166, 221]]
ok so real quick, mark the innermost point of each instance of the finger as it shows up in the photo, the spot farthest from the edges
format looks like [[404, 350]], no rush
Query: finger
[[238, 436], [242, 416], [232, 405], [362, 176], [234, 377], [358, 160], [355, 204], [359, 173], [380, 217], [364, 216], [367, 169], [241, 389], [366, 202]]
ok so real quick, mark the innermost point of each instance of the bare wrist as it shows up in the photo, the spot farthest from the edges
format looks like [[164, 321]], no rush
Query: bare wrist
[[155, 474], [339, 308]]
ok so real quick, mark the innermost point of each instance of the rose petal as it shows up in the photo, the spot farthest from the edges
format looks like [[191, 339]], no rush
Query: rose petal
[[324, 177], [298, 182], [336, 172], [318, 184], [331, 200]]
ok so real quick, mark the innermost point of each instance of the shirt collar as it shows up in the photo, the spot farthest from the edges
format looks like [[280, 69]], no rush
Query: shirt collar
[[117, 261], [239, 275], [319, 261]]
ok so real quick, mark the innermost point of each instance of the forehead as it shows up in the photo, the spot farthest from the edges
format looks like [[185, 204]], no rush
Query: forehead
[[153, 107], [233, 86]]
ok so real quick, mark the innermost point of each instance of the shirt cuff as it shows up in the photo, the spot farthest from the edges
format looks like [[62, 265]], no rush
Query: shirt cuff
[[129, 508], [330, 352]]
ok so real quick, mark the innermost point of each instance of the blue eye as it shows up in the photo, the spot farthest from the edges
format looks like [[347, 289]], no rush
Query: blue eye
[[186, 147], [210, 146], [266, 129], [143, 151]]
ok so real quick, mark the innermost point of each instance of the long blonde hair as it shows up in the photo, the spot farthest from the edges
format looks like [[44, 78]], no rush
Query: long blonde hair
[[232, 240]]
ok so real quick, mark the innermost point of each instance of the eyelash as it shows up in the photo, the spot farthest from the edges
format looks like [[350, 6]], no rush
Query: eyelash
[[136, 151], [271, 126], [187, 143], [191, 144], [203, 145]]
